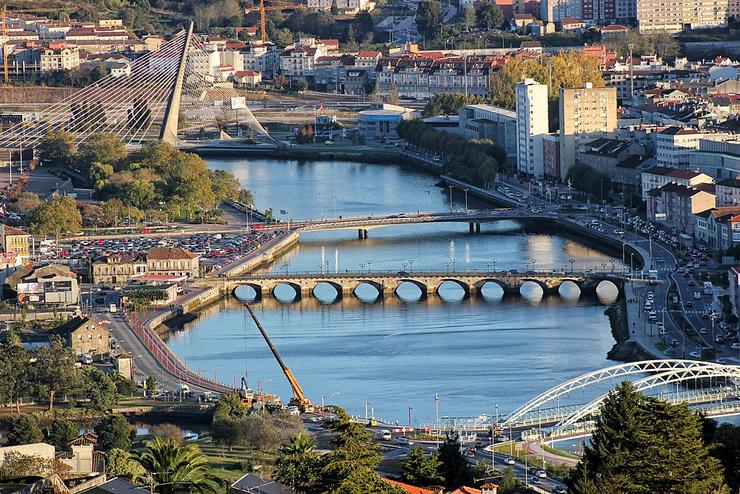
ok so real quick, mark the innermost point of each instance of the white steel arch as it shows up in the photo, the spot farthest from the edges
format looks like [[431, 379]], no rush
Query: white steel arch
[[598, 376], [703, 371]]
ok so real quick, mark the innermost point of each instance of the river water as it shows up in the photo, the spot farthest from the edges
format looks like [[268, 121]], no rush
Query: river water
[[475, 352]]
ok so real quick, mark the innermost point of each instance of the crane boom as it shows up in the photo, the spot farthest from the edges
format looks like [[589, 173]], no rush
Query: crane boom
[[299, 398]]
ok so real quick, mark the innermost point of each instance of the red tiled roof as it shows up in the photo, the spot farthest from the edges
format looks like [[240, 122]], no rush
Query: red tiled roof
[[411, 489], [614, 27], [162, 253], [369, 54]]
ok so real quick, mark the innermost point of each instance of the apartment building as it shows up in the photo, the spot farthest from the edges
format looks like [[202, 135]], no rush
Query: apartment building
[[489, 122], [260, 56], [676, 205], [658, 176], [423, 76], [671, 16], [531, 126], [728, 192], [672, 146], [556, 10], [585, 113], [345, 5], [59, 58]]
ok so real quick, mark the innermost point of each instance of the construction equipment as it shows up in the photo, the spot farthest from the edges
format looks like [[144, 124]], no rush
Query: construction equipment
[[298, 399], [263, 8], [4, 19]]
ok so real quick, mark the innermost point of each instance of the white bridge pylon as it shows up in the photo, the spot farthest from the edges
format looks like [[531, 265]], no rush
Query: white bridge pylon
[[175, 81], [661, 372]]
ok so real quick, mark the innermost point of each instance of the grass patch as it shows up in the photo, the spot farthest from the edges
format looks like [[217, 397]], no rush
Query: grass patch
[[560, 452], [230, 465]]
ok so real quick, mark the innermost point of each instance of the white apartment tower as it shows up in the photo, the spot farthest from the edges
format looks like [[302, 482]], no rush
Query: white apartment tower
[[531, 125]]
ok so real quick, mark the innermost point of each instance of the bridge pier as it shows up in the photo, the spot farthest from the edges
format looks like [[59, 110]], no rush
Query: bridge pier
[[474, 227], [361, 233]]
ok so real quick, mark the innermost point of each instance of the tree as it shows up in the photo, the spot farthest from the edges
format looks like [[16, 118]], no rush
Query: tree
[[364, 26], [226, 187], [167, 431], [642, 444], [455, 467], [420, 469], [114, 432], [61, 432], [15, 381], [25, 429], [297, 463], [102, 147], [57, 148], [140, 194], [120, 463], [469, 16], [725, 441], [101, 389], [168, 463], [353, 456], [393, 98], [366, 482], [114, 211], [26, 201], [508, 481], [490, 15], [429, 18], [56, 216], [150, 386], [54, 370], [99, 172]]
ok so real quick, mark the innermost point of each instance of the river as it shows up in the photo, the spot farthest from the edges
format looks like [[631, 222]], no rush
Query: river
[[475, 352]]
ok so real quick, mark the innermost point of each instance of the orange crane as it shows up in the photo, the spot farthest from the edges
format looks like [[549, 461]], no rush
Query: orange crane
[[298, 399], [263, 8], [4, 18]]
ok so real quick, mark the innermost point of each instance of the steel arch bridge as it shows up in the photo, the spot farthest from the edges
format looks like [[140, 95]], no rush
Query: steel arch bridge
[[652, 374]]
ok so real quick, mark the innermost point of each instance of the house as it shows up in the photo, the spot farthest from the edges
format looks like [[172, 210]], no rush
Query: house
[[613, 31], [174, 261], [247, 78], [411, 489], [676, 205], [252, 484], [15, 241], [118, 268], [83, 459], [571, 24], [40, 450], [522, 20], [719, 228], [84, 335], [51, 284], [484, 489], [657, 176], [116, 485]]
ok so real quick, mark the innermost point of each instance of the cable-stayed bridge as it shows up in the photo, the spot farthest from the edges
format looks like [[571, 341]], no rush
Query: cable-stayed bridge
[[168, 94]]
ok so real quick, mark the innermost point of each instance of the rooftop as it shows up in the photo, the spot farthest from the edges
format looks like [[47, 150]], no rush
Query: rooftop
[[164, 253]]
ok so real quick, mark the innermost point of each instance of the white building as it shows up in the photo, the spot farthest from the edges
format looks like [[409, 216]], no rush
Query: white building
[[300, 61], [263, 57], [720, 159], [658, 176], [673, 144], [65, 58], [531, 125], [346, 5]]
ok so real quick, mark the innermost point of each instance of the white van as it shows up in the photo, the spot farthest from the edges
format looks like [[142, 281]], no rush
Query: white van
[[112, 308]]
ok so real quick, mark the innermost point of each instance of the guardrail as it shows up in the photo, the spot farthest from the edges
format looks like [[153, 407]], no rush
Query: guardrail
[[166, 358]]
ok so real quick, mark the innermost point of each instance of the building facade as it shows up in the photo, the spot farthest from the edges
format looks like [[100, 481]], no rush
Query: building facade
[[490, 122], [174, 261], [84, 335], [672, 146], [531, 126], [584, 113]]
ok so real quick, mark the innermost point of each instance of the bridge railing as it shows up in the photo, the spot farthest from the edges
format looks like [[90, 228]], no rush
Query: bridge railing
[[434, 273], [144, 330]]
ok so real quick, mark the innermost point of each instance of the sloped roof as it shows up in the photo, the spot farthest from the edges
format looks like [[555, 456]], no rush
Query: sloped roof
[[164, 253], [410, 489]]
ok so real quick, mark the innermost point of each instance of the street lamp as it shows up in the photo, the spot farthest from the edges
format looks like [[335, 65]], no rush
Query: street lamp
[[571, 261], [466, 200], [450, 186]]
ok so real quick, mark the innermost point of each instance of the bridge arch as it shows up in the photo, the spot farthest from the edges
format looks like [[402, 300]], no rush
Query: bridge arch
[[338, 288], [702, 370], [569, 288], [254, 286], [529, 281], [418, 283], [297, 289], [377, 286], [458, 282], [611, 373]]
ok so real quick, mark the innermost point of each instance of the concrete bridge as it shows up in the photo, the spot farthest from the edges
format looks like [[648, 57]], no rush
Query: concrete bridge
[[429, 282]]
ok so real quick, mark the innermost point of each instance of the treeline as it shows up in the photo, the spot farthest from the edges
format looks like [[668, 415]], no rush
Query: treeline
[[475, 162], [48, 374], [158, 177], [589, 181], [450, 103]]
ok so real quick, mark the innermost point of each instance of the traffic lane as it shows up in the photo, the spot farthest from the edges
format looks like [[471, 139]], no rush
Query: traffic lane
[[520, 469]]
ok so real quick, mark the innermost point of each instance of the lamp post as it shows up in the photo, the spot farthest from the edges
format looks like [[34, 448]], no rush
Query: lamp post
[[466, 200], [571, 261], [450, 186]]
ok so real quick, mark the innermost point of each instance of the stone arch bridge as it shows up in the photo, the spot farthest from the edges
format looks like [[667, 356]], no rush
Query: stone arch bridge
[[429, 282]]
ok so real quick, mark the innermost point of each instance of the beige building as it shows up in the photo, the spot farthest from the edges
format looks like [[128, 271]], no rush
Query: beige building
[[675, 205], [585, 113], [15, 241], [173, 262], [52, 284], [66, 58], [117, 269], [84, 335], [671, 16]]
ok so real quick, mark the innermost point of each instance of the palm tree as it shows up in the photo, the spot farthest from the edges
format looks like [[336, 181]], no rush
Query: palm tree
[[168, 462], [298, 463]]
